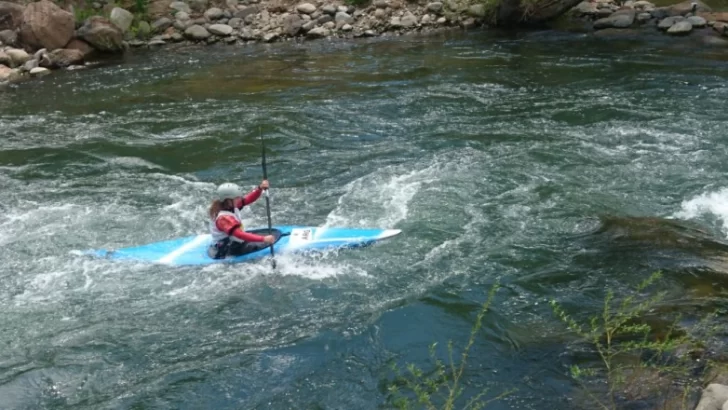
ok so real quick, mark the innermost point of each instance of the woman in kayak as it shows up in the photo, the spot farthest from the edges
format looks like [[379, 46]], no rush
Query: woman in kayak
[[226, 227]]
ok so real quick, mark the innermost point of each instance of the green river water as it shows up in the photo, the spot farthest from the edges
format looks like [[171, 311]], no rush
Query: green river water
[[556, 164]]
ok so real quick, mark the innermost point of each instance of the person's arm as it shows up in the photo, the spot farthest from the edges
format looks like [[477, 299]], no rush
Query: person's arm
[[251, 196], [231, 226]]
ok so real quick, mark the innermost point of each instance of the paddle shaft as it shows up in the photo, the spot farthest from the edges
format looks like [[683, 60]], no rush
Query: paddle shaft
[[267, 199]]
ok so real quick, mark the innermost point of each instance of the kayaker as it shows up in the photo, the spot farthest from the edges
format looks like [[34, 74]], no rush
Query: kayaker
[[226, 224]]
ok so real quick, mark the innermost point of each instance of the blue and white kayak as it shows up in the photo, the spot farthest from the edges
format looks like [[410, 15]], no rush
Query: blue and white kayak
[[193, 250]]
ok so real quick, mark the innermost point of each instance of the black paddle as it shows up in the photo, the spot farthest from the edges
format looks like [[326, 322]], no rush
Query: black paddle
[[267, 200]]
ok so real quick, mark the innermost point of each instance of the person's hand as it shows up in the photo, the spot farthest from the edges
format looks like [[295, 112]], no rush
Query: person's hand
[[263, 185], [269, 239]]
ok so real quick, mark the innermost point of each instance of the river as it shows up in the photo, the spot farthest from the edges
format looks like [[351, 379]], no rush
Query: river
[[552, 163]]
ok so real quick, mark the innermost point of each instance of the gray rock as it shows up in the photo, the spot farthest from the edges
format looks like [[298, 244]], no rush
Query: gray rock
[[643, 4], [714, 397], [5, 59], [426, 20], [477, 10], [230, 40], [681, 27], [435, 7], [369, 33], [408, 20], [380, 14], [198, 5], [8, 37], [697, 21], [308, 25], [643, 17], [395, 23], [30, 64], [587, 8], [270, 37], [292, 24], [347, 27], [324, 19], [197, 33], [620, 19], [660, 13], [329, 9], [318, 32], [39, 71], [220, 29], [343, 9], [177, 37], [247, 11], [247, 34], [214, 14], [330, 25], [161, 24], [305, 8], [182, 25], [668, 22], [17, 57], [156, 43], [235, 22], [121, 18], [182, 16], [137, 43], [381, 4], [180, 6], [342, 18]]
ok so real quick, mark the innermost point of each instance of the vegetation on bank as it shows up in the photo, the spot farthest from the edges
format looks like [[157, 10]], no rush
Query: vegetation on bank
[[633, 357]]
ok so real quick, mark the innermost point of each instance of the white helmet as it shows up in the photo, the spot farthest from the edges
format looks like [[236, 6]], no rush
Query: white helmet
[[228, 190]]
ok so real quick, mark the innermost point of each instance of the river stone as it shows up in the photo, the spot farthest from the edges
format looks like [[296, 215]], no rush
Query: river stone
[[63, 57], [182, 16], [370, 33], [644, 5], [177, 37], [309, 25], [180, 6], [11, 15], [247, 11], [161, 24], [342, 18], [643, 17], [220, 29], [102, 34], [292, 24], [324, 19], [697, 21], [435, 7], [681, 27], [587, 8], [5, 59], [198, 5], [17, 57], [441, 20], [45, 25], [39, 71], [5, 72], [347, 27], [714, 397], [121, 18], [330, 25], [620, 19], [270, 37], [214, 14], [426, 20], [156, 43], [8, 37], [306, 8], [318, 32], [477, 10], [395, 23], [668, 22], [408, 20], [197, 33]]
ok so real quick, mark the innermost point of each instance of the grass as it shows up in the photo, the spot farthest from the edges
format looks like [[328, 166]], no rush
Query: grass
[[637, 361], [441, 387]]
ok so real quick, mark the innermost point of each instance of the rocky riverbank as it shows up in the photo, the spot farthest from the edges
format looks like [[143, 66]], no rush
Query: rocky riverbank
[[608, 17], [41, 36]]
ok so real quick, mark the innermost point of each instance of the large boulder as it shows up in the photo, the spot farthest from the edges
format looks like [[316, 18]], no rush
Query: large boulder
[[11, 15], [80, 45], [46, 25], [522, 13], [121, 18], [63, 57], [102, 35]]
